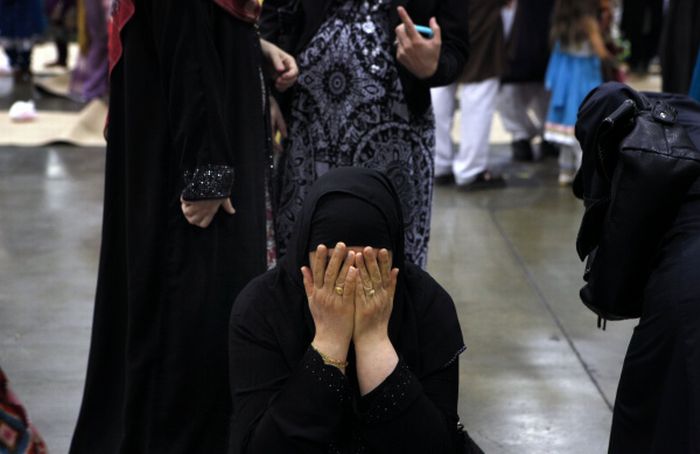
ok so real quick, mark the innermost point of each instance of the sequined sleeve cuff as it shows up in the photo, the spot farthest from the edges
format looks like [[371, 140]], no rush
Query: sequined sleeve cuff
[[391, 398], [326, 376], [208, 182]]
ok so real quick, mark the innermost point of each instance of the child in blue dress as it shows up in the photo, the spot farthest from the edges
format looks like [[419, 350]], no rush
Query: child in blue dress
[[574, 70]]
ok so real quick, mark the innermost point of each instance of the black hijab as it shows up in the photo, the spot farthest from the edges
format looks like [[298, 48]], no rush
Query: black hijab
[[423, 327]]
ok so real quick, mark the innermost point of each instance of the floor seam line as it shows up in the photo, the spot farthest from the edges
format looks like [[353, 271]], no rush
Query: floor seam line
[[543, 300]]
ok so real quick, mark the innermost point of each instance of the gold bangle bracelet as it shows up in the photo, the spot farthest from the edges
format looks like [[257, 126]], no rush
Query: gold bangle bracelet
[[327, 360]]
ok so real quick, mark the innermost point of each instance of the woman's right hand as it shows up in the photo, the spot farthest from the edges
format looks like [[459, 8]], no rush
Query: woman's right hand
[[279, 126], [330, 289]]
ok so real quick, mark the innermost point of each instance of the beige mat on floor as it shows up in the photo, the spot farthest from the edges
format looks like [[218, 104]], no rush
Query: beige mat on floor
[[84, 128], [58, 85]]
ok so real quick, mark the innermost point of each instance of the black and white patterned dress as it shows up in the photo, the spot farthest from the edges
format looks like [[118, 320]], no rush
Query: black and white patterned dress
[[349, 110]]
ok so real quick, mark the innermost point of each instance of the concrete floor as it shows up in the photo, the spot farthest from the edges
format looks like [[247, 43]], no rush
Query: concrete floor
[[538, 377]]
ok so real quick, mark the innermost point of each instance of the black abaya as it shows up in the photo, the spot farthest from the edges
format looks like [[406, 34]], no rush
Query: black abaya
[[679, 45], [645, 226], [286, 400], [186, 113]]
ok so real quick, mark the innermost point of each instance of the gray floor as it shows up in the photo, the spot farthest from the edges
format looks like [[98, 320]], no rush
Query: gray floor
[[538, 377]]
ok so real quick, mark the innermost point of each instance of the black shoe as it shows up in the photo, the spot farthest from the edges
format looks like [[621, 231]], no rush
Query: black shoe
[[522, 150], [549, 150], [485, 180], [444, 180]]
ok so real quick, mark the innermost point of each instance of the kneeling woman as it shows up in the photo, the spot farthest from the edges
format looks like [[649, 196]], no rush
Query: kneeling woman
[[345, 349]]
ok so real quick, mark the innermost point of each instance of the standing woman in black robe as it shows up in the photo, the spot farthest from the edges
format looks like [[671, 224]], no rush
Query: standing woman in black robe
[[346, 350], [187, 142]]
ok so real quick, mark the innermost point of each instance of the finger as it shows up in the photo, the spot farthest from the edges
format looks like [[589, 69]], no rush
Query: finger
[[342, 276], [331, 276], [319, 265], [193, 210], [228, 207], [360, 296], [206, 221], [308, 281], [393, 279], [410, 27], [292, 67], [373, 267], [360, 262], [277, 62], [282, 127], [277, 147], [437, 31], [384, 266], [194, 219], [350, 286], [402, 38]]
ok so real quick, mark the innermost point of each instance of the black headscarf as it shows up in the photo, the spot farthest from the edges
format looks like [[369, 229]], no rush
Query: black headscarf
[[365, 186], [344, 217], [423, 327]]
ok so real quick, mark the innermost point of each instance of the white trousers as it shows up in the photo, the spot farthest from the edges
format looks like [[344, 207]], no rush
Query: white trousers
[[570, 157], [477, 105], [518, 103]]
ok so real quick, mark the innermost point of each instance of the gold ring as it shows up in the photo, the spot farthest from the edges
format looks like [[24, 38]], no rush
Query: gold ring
[[339, 290]]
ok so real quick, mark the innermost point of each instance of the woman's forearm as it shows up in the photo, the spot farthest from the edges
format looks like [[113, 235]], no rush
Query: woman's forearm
[[376, 360]]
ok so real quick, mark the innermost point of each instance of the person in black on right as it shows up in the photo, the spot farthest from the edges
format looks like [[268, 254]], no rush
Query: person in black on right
[[640, 180]]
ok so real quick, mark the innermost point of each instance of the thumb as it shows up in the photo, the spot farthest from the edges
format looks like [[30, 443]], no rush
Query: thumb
[[308, 281], [228, 207], [437, 31], [277, 61]]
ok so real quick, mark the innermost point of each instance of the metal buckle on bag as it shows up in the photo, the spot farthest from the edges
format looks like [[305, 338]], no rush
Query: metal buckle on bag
[[663, 113]]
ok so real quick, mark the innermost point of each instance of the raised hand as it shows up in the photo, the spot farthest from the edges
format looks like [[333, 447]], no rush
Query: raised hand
[[417, 54], [330, 289], [374, 300], [374, 296]]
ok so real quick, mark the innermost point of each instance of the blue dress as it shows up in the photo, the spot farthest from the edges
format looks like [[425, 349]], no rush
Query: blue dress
[[695, 82], [21, 21], [571, 75]]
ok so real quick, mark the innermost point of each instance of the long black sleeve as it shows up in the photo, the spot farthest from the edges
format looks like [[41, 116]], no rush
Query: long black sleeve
[[453, 18], [405, 414], [278, 408], [193, 81]]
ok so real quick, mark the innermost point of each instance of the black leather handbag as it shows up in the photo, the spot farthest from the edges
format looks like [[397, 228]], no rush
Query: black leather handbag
[[637, 170]]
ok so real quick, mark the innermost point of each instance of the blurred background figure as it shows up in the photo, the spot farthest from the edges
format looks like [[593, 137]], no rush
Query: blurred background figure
[[695, 84], [641, 25], [468, 165], [679, 45], [62, 19], [574, 70], [90, 76], [523, 100], [21, 23]]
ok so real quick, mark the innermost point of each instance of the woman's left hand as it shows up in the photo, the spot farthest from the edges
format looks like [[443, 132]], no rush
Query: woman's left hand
[[284, 65], [374, 297], [419, 55]]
